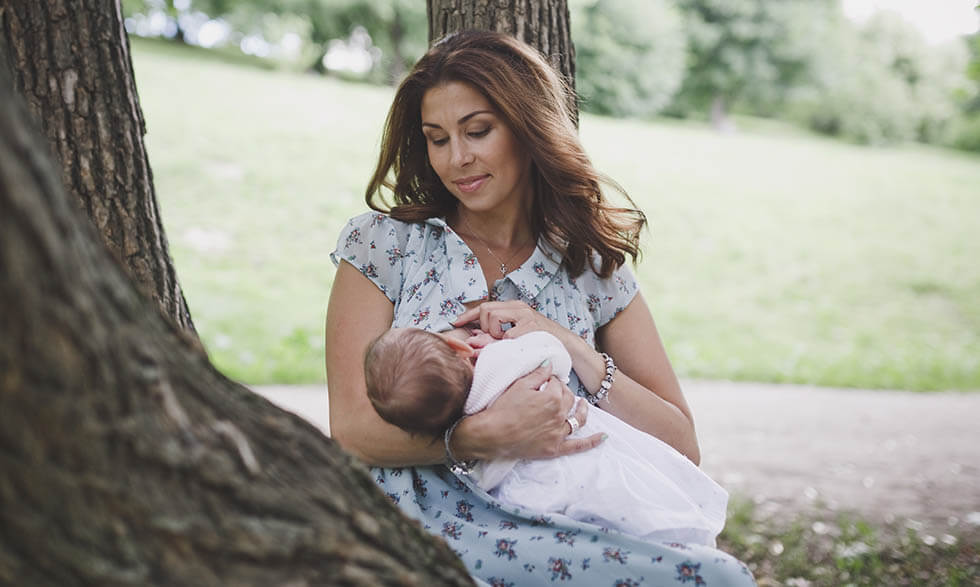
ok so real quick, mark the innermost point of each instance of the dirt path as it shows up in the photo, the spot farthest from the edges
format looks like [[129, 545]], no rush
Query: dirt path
[[887, 456]]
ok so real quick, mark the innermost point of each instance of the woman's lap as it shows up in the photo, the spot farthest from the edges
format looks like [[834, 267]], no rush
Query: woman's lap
[[504, 545]]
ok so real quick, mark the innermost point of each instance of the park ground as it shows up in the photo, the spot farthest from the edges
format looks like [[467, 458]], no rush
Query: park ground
[[829, 486]]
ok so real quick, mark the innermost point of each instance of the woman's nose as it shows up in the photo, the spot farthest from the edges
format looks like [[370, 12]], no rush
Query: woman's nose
[[461, 155]]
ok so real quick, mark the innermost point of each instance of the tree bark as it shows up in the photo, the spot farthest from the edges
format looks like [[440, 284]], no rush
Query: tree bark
[[127, 459], [543, 24], [70, 61]]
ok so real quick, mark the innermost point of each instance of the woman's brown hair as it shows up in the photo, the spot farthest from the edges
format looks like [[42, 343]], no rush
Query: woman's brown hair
[[568, 209]]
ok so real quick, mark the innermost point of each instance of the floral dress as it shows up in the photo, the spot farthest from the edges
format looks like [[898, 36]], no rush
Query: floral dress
[[429, 273]]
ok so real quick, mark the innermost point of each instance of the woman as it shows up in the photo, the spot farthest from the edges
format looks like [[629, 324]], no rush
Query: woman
[[498, 218]]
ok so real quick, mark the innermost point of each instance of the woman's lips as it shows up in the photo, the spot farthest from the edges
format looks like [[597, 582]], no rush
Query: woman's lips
[[471, 184]]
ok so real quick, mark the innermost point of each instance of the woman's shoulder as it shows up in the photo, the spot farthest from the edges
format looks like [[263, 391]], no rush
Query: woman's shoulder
[[382, 225], [606, 297], [378, 222], [376, 243]]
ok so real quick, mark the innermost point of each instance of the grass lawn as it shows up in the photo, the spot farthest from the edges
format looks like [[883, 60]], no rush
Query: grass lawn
[[811, 550], [773, 255]]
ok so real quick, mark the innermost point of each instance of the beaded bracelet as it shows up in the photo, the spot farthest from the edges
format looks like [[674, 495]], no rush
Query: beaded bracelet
[[606, 383], [457, 467]]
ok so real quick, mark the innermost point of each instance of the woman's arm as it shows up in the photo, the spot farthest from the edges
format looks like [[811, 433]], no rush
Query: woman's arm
[[646, 393], [524, 422], [357, 314]]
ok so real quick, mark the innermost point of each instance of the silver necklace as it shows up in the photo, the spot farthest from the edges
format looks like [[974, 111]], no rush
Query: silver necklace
[[503, 264]]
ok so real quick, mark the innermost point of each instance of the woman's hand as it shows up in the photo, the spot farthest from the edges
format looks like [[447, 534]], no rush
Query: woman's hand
[[522, 319], [528, 421]]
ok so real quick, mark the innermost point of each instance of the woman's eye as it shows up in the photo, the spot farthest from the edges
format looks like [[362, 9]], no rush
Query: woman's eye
[[479, 133], [439, 141]]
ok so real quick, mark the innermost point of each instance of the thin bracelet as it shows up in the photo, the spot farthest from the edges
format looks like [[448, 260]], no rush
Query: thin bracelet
[[457, 467], [606, 383]]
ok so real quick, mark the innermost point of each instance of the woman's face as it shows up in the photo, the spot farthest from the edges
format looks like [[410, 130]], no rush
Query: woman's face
[[473, 150]]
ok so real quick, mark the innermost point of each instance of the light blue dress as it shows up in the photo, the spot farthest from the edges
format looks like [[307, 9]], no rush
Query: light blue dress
[[429, 273]]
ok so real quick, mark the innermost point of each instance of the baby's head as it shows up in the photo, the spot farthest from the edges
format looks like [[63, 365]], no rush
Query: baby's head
[[418, 380]]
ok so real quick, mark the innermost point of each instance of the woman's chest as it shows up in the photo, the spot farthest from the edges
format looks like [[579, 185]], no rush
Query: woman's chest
[[433, 296]]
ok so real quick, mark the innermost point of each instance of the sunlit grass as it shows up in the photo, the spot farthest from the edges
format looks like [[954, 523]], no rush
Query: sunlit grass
[[773, 255]]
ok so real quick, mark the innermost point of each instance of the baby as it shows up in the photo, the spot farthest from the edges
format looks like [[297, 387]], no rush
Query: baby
[[422, 382]]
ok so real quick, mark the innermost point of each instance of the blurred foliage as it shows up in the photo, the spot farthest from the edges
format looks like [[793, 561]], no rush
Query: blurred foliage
[[965, 132], [397, 27], [882, 83], [629, 56], [874, 83], [745, 51]]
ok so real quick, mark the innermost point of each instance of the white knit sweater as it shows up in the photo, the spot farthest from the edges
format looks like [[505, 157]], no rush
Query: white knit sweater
[[497, 367]]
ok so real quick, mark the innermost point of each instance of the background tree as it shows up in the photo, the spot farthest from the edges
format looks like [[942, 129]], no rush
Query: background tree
[[881, 83], [396, 27], [125, 458], [966, 132], [71, 64], [543, 24], [630, 57], [739, 50]]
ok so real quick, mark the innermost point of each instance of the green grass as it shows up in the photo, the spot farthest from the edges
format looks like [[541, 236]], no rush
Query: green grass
[[832, 550], [773, 255]]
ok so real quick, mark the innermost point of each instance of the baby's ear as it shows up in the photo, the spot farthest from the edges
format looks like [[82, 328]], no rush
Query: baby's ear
[[459, 346]]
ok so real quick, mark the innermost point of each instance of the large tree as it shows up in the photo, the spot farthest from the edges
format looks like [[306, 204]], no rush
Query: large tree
[[125, 457], [70, 62]]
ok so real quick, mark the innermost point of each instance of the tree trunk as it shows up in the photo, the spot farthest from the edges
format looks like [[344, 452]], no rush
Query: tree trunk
[[70, 62], [127, 459], [396, 35], [174, 13], [543, 24], [720, 120]]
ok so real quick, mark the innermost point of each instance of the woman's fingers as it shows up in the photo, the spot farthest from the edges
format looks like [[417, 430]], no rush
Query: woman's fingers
[[579, 409], [493, 315], [468, 316], [582, 411], [476, 313], [534, 413], [570, 446], [518, 316], [536, 379]]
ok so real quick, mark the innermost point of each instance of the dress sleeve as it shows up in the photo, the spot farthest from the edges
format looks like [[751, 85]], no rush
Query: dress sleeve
[[374, 243], [608, 297]]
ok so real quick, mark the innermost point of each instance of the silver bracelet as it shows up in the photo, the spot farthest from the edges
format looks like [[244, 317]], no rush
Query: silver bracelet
[[457, 467], [606, 383]]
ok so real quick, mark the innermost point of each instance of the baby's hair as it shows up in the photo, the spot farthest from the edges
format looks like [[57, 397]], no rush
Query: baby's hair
[[416, 381]]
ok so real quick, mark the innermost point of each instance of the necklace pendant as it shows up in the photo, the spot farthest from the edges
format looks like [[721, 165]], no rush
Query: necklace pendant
[[503, 269]]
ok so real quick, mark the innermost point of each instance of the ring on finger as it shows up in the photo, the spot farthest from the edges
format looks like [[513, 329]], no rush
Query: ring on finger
[[573, 424]]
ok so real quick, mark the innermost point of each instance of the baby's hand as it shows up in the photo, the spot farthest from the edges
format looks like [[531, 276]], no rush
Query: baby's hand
[[479, 339]]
